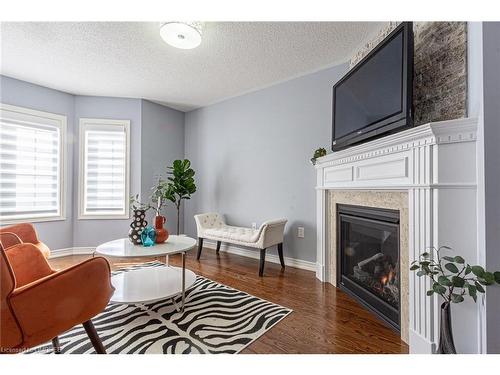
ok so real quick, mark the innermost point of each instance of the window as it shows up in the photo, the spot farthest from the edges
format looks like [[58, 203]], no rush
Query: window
[[31, 165], [104, 169]]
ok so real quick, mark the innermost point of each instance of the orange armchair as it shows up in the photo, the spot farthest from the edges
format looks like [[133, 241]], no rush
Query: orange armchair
[[39, 303], [26, 233]]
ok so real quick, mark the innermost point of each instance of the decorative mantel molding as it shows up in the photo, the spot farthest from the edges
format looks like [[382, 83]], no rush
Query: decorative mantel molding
[[436, 164], [452, 131]]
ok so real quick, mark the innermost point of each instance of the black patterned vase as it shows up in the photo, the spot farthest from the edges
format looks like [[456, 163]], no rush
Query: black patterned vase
[[137, 226]]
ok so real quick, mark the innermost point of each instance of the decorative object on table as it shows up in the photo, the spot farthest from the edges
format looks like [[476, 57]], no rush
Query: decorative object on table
[[452, 278], [137, 226], [317, 154], [157, 197], [181, 184], [139, 219], [246, 318], [148, 236], [161, 233]]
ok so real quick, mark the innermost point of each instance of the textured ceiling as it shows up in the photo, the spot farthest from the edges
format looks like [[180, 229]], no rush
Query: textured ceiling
[[129, 59]]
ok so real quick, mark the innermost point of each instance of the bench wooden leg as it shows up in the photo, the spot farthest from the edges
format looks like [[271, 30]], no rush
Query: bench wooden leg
[[262, 261], [218, 246], [280, 253], [200, 247]]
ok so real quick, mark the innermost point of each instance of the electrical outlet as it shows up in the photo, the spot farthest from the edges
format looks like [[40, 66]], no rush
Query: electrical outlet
[[300, 232], [254, 225]]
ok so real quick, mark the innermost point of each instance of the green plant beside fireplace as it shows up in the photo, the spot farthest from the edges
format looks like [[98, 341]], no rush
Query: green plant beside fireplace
[[452, 278]]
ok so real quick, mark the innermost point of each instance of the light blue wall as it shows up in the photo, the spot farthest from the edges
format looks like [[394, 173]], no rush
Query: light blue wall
[[57, 234], [162, 142], [251, 155], [93, 232]]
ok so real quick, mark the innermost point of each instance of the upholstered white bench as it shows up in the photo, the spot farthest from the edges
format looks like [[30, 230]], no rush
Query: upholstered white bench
[[213, 227]]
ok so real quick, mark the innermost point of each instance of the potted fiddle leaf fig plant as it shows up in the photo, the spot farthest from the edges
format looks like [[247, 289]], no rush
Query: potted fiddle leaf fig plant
[[180, 184], [452, 279]]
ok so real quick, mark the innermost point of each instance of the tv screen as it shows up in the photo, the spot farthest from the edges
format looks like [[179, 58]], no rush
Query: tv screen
[[375, 96]]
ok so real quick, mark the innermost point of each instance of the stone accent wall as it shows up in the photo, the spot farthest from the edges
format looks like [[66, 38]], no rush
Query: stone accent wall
[[440, 69], [382, 199]]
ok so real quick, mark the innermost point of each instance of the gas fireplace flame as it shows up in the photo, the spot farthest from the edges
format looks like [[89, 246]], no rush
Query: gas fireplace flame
[[389, 278]]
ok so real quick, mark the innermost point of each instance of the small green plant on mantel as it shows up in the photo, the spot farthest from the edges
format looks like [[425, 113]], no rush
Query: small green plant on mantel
[[452, 279], [317, 154]]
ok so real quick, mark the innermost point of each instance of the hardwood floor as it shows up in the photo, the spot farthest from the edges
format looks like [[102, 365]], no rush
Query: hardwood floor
[[324, 320]]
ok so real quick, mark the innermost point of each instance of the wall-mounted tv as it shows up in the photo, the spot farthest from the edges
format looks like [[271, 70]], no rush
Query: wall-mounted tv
[[375, 97]]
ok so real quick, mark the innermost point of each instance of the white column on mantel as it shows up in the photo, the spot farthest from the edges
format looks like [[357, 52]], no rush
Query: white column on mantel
[[422, 211], [436, 164]]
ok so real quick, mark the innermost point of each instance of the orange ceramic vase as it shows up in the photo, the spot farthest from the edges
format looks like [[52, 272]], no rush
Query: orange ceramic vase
[[161, 233]]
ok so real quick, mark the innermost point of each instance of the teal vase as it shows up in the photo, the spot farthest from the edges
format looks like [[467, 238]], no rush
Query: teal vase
[[148, 236]]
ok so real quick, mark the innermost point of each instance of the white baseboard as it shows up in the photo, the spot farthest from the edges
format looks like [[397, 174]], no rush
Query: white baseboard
[[57, 253], [320, 272], [255, 254], [420, 345], [291, 262]]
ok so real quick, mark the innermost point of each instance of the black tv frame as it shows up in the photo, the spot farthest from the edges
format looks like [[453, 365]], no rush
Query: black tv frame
[[392, 123]]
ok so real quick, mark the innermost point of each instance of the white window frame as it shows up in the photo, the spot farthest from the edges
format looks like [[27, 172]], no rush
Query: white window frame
[[84, 122], [62, 125]]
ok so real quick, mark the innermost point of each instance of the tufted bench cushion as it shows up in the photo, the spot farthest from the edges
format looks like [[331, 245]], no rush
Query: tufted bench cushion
[[228, 233]]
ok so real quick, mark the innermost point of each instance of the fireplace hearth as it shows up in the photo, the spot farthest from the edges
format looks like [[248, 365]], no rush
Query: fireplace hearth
[[368, 258]]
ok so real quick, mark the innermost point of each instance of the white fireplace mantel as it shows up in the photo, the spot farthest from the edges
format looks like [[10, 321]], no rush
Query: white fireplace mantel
[[436, 164]]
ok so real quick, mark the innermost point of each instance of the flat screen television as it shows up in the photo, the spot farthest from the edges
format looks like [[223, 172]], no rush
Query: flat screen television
[[375, 97]]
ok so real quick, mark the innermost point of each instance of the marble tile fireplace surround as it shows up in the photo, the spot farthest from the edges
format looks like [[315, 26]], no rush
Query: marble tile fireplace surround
[[428, 174]]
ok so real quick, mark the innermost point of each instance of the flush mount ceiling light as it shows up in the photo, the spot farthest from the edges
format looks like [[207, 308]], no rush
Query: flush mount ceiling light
[[183, 35]]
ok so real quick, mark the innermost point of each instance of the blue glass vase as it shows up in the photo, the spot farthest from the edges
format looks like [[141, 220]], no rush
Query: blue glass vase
[[148, 236]]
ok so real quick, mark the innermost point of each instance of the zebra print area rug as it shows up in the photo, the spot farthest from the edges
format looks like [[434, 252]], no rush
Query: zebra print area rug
[[216, 319]]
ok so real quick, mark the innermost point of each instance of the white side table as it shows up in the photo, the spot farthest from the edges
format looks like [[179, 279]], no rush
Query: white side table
[[155, 283]]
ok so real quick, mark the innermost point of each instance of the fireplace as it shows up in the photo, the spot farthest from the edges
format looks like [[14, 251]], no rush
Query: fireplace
[[368, 258]]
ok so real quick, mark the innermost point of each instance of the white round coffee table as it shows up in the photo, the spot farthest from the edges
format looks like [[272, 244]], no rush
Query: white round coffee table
[[154, 283]]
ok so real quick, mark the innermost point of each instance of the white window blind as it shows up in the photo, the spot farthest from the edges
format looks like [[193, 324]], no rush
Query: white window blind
[[31, 164], [104, 146]]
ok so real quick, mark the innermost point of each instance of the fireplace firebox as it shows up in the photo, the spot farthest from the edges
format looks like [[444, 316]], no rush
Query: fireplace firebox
[[368, 264]]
